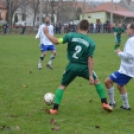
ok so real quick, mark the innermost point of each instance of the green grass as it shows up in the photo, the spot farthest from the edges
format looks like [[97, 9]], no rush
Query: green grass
[[22, 88]]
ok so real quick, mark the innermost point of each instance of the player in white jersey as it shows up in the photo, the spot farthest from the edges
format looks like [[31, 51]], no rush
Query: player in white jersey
[[46, 44], [125, 73]]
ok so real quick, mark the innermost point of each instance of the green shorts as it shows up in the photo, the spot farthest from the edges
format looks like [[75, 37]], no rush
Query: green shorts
[[117, 41], [73, 70]]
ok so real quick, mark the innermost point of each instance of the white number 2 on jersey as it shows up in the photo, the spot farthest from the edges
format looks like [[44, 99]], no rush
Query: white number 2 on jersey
[[78, 49]]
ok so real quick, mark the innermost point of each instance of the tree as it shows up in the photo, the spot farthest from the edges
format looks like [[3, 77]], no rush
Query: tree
[[12, 6], [0, 16], [15, 18], [66, 10], [78, 12], [34, 4]]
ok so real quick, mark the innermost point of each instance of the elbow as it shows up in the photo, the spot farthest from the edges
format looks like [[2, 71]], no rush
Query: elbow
[[56, 43]]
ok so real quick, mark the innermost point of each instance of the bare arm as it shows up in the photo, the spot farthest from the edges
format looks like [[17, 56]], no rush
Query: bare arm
[[38, 34], [91, 68], [115, 34], [50, 37]]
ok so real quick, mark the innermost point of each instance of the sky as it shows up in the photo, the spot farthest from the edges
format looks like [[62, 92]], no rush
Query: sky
[[106, 0]]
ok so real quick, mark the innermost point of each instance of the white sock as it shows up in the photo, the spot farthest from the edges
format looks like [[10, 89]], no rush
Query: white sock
[[124, 98], [51, 59], [111, 95]]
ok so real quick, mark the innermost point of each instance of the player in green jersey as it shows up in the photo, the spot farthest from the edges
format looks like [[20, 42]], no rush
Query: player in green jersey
[[80, 51], [118, 31]]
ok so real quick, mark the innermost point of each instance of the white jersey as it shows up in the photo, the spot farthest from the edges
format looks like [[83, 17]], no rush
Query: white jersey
[[127, 58], [43, 39]]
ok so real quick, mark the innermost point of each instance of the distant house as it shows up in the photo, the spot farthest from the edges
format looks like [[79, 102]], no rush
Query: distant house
[[3, 11], [101, 13]]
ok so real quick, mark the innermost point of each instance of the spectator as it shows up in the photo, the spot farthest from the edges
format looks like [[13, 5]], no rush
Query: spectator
[[91, 28], [94, 27], [23, 28], [5, 26], [0, 27]]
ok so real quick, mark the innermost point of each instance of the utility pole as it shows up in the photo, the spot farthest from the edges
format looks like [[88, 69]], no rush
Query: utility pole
[[52, 11], [10, 15], [40, 12], [111, 12], [83, 10]]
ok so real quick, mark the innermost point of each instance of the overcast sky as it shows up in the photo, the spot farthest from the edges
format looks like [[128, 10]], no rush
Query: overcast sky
[[106, 0]]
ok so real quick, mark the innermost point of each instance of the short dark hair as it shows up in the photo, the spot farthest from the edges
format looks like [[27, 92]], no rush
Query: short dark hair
[[84, 25], [132, 26]]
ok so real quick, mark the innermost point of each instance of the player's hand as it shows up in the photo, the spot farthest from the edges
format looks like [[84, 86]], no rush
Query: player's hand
[[91, 80], [117, 51], [45, 29], [36, 37]]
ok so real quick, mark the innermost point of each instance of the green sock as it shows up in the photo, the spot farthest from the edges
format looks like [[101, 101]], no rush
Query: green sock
[[58, 96], [116, 46], [100, 90]]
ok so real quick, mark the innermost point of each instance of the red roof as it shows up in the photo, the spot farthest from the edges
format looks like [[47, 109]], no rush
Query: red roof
[[117, 10], [107, 7], [124, 14], [2, 6]]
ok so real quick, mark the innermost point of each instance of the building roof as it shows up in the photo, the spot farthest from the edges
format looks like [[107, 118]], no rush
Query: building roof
[[2, 6], [107, 7], [117, 10]]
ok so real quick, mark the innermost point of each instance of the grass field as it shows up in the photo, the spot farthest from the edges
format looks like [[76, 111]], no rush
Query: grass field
[[22, 88]]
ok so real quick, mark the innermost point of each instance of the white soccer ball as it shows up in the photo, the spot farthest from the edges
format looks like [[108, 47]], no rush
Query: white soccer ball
[[49, 98]]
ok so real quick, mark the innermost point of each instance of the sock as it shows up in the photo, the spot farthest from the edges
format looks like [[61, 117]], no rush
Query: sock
[[111, 95], [41, 59], [124, 98], [116, 47], [51, 58], [101, 92], [58, 98]]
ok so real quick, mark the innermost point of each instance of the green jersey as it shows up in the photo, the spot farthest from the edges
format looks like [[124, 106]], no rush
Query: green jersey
[[119, 31], [80, 47]]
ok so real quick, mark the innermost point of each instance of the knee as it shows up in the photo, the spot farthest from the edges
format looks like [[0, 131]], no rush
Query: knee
[[44, 54], [54, 53], [106, 81], [119, 87], [97, 81], [62, 87]]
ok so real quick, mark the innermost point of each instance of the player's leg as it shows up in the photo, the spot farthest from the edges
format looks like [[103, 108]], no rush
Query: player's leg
[[67, 78], [110, 87], [102, 94], [121, 80], [52, 57], [124, 97], [43, 49], [99, 88], [117, 43]]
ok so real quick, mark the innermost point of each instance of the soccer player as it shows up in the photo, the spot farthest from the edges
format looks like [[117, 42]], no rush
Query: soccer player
[[117, 35], [80, 53], [125, 73], [46, 44]]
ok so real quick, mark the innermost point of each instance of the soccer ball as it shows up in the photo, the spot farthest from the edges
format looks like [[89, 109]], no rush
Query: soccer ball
[[49, 98]]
